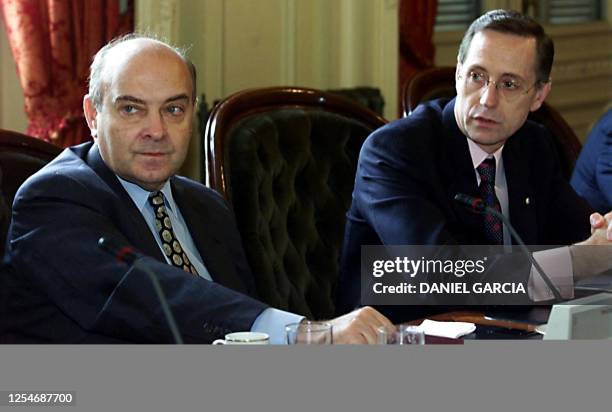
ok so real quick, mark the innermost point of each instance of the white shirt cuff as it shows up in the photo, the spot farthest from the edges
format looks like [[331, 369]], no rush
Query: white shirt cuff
[[557, 264], [272, 321]]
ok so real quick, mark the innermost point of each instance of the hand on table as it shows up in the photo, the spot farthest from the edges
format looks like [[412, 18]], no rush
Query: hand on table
[[601, 228], [359, 326], [594, 255]]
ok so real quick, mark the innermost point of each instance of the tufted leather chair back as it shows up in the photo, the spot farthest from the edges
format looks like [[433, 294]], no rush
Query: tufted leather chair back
[[439, 82], [20, 157], [285, 158]]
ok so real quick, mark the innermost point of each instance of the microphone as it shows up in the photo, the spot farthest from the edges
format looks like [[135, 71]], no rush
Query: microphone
[[124, 254], [478, 206], [127, 255], [474, 203]]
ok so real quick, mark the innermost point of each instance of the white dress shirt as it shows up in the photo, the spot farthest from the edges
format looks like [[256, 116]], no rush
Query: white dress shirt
[[556, 263]]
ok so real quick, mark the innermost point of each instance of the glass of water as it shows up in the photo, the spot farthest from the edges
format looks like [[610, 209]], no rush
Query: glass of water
[[310, 333], [402, 335]]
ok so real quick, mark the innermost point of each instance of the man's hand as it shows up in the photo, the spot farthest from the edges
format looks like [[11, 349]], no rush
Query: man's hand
[[360, 326], [594, 255], [601, 228]]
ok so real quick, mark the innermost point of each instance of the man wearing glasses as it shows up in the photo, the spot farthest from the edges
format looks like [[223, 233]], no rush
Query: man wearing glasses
[[480, 144]]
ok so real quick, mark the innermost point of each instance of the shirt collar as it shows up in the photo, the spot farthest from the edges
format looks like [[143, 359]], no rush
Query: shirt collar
[[478, 155], [140, 196]]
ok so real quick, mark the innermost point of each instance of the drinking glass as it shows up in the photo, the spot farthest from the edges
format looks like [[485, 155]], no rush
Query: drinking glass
[[309, 333], [402, 335]]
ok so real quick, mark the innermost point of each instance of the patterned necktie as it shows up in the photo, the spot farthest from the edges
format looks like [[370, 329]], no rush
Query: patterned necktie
[[492, 225], [170, 244]]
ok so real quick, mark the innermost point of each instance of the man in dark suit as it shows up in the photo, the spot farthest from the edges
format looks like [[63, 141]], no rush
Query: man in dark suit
[[479, 144], [592, 177], [60, 287]]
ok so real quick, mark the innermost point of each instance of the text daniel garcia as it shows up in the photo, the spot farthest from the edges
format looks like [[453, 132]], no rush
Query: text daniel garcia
[[450, 288]]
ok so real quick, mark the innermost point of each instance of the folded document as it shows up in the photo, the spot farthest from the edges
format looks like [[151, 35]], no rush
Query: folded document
[[452, 330]]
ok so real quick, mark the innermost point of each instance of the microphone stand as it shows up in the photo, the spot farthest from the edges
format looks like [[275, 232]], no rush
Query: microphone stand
[[128, 256], [478, 206], [162, 300]]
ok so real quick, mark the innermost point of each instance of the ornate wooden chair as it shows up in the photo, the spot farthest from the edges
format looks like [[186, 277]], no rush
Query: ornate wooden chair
[[20, 157], [285, 159]]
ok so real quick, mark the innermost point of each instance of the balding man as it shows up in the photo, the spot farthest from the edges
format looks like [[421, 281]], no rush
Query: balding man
[[123, 186]]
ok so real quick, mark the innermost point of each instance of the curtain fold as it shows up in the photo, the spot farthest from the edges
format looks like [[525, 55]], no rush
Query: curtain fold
[[416, 25], [53, 42]]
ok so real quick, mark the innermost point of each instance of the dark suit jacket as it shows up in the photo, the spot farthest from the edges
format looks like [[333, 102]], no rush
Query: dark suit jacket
[[409, 172], [592, 177], [60, 287]]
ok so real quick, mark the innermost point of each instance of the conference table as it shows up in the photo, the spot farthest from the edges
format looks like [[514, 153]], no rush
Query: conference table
[[497, 323], [509, 322], [492, 324]]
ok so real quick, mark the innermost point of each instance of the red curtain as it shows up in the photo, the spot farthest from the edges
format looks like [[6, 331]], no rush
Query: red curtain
[[416, 26], [53, 42]]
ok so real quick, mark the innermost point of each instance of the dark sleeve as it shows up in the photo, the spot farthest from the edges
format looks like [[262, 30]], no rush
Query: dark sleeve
[[592, 177], [401, 196], [604, 170], [57, 222], [566, 214], [397, 191]]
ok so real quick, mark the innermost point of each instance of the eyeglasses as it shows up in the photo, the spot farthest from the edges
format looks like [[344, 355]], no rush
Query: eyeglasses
[[509, 87]]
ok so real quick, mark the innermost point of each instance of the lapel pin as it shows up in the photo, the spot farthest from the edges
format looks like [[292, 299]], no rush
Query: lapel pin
[[527, 201]]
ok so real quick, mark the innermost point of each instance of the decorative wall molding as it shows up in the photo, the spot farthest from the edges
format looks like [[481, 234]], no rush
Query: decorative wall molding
[[289, 42], [211, 49], [501, 4], [385, 66], [582, 72], [12, 114], [315, 43], [570, 71], [559, 31], [159, 17]]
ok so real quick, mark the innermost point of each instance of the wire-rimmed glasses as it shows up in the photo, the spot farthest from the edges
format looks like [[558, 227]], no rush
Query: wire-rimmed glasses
[[510, 88]]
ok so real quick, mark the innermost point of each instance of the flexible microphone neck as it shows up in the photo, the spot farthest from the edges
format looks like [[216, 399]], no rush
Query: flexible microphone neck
[[124, 254], [127, 255], [476, 205]]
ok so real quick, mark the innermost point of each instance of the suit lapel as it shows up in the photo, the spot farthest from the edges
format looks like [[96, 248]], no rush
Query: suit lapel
[[205, 232], [128, 217], [520, 190], [460, 172]]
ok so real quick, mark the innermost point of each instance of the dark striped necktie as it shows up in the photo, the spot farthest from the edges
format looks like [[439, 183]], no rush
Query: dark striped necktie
[[493, 228]]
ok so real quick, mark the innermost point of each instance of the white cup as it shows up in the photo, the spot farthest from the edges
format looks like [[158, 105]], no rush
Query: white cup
[[244, 338]]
